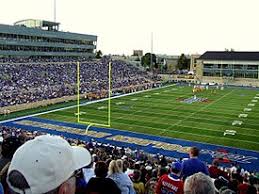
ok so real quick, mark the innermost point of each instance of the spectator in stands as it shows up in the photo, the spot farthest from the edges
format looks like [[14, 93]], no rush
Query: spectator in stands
[[100, 184], [214, 171], [243, 187], [193, 164], [88, 172], [199, 183], [251, 190], [220, 182], [137, 184], [246, 187], [171, 183], [121, 179], [151, 184], [233, 182], [9, 146], [126, 169], [133, 160], [47, 164], [24, 81], [80, 182]]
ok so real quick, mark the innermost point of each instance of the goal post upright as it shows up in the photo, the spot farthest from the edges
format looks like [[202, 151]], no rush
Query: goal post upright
[[108, 124], [109, 97], [78, 91]]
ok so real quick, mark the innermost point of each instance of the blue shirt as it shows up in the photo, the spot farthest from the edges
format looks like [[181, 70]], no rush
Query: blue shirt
[[192, 166]]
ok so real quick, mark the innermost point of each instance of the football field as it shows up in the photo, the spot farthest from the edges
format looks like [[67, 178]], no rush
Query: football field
[[173, 111]]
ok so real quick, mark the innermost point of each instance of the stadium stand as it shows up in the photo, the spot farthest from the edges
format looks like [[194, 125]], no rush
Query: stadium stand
[[144, 170], [32, 80]]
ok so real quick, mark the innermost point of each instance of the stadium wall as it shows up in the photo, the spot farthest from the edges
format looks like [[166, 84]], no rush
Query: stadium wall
[[26, 106]]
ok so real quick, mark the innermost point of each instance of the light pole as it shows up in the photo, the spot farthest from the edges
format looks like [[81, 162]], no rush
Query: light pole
[[55, 4]]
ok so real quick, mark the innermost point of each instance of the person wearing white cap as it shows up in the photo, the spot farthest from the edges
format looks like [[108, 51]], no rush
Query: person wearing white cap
[[46, 164]]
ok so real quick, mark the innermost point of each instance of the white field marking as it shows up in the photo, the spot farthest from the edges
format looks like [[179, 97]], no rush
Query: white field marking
[[237, 123], [193, 134], [251, 105], [254, 101], [102, 107], [205, 111], [247, 109], [202, 108], [256, 97], [230, 132], [243, 115], [80, 113], [83, 104], [175, 131], [134, 99], [157, 93], [257, 94], [169, 113], [142, 116], [119, 103], [206, 129], [147, 96], [187, 126], [134, 112], [198, 141], [234, 114]]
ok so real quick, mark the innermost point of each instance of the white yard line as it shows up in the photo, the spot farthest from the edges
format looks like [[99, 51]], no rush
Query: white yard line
[[175, 131], [155, 122], [202, 108]]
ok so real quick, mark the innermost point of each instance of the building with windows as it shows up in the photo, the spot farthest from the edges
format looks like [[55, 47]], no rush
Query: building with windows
[[193, 62], [228, 67], [138, 53], [39, 38]]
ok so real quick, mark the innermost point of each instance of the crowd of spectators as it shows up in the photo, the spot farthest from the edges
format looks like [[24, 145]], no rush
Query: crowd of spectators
[[32, 80], [50, 164]]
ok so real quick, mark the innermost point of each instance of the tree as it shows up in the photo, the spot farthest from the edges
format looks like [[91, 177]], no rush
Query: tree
[[99, 54], [183, 62], [146, 60]]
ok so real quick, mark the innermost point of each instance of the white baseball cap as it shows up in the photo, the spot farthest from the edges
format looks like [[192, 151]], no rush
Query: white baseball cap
[[46, 162]]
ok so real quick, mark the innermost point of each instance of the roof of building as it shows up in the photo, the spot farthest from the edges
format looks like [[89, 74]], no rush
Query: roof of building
[[230, 55], [43, 22], [7, 29]]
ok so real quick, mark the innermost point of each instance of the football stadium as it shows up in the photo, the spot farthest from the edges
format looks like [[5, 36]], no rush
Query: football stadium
[[90, 117]]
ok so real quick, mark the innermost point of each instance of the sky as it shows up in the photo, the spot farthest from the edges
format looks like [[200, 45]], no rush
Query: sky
[[178, 26]]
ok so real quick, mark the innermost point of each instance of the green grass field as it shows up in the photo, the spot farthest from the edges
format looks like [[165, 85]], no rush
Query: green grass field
[[159, 112]]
